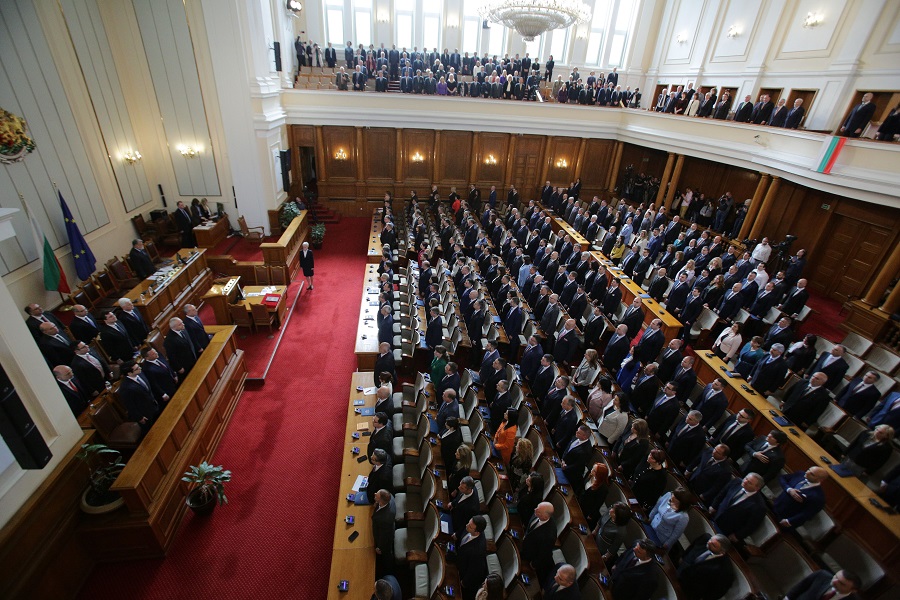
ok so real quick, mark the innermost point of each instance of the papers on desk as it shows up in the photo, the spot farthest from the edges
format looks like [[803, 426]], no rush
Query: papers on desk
[[370, 390], [370, 290], [269, 289], [161, 273], [361, 482]]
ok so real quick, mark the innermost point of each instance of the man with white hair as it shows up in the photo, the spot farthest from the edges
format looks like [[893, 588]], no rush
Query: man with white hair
[[540, 537], [179, 348], [307, 263], [563, 585], [770, 372], [132, 320]]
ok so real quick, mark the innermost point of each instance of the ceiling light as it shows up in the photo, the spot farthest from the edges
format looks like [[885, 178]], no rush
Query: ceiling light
[[813, 19], [188, 151], [734, 31], [131, 156], [531, 18]]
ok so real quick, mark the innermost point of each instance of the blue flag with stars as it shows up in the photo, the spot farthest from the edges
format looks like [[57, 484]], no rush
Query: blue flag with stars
[[85, 263]]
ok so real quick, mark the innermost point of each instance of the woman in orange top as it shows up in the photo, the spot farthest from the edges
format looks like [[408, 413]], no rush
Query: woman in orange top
[[505, 438]]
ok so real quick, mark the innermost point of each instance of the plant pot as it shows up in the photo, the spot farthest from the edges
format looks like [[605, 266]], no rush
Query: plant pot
[[200, 504], [317, 245], [105, 505]]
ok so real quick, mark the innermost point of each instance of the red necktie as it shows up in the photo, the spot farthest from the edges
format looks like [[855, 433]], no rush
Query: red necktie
[[829, 594]]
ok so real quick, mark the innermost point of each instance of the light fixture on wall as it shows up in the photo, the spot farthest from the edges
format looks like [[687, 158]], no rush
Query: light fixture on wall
[[382, 17], [681, 38], [534, 17], [188, 151], [813, 19], [734, 31], [490, 159], [131, 156], [341, 154], [294, 7], [562, 163], [417, 158]]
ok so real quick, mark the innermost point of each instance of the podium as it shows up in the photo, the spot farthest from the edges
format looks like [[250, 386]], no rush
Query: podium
[[220, 295]]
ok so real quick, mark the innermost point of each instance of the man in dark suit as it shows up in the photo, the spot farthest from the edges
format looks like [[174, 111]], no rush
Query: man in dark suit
[[162, 377], [380, 477], [486, 368], [768, 373], [860, 395], [822, 584], [449, 408], [180, 349], [575, 457], [83, 326], [806, 400], [795, 299], [712, 402], [706, 572], [709, 472], [185, 225], [543, 377], [744, 110], [195, 329], [434, 332], [451, 439], [384, 522], [55, 345], [779, 333], [382, 437], [36, 316], [634, 575], [684, 378], [540, 537], [136, 395], [617, 348], [795, 115], [90, 368], [663, 412], [563, 586], [385, 325], [801, 498], [736, 432], [464, 507], [669, 360], [766, 455], [116, 340], [645, 390], [72, 390], [739, 508], [659, 285], [763, 302], [687, 440], [140, 261], [763, 112], [566, 425], [859, 117], [471, 557], [633, 317], [650, 344], [779, 115], [731, 302], [594, 327], [132, 320], [833, 365], [566, 343], [385, 362]]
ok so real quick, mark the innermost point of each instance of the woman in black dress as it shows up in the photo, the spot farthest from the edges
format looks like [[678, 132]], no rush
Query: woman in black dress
[[630, 450], [307, 263], [649, 481]]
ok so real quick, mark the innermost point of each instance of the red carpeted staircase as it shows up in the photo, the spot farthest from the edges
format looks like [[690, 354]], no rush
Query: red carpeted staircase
[[322, 214], [284, 446]]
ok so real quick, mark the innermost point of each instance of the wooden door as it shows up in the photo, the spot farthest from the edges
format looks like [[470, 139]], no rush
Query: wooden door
[[774, 93], [808, 97], [884, 100], [849, 257]]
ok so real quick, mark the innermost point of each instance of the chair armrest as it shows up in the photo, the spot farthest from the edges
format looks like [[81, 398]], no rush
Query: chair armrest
[[414, 516], [412, 481], [409, 452], [416, 556]]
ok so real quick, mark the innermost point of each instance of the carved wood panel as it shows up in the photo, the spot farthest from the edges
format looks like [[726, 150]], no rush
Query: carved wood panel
[[340, 152], [594, 172], [491, 154], [379, 153], [528, 163], [562, 153], [418, 157], [454, 156]]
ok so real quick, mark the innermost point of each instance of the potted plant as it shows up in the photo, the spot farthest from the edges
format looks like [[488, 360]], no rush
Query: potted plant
[[104, 465], [209, 487], [317, 235]]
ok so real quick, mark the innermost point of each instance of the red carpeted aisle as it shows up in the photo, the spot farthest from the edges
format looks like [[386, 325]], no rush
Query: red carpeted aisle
[[273, 539]]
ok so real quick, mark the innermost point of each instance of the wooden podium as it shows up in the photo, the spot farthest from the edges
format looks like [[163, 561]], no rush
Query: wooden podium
[[220, 295]]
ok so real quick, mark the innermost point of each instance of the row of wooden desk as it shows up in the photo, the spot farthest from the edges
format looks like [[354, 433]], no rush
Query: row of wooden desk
[[847, 498], [159, 300], [374, 251], [209, 234], [354, 561], [367, 329]]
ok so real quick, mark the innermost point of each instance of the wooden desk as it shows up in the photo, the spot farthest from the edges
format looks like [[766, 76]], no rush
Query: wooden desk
[[186, 285], [187, 432], [279, 309], [847, 498], [219, 296], [210, 234], [367, 349], [283, 257], [353, 561], [560, 227], [374, 252]]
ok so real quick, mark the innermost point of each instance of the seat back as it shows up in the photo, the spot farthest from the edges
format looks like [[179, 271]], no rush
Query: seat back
[[697, 525], [856, 365], [109, 424], [515, 394], [261, 315], [435, 569], [591, 590], [476, 424], [423, 429], [424, 459], [819, 526], [856, 344], [849, 554], [561, 515], [470, 401], [546, 470], [488, 483], [481, 451], [262, 274], [831, 416], [240, 316], [80, 297], [525, 421], [847, 432], [741, 587], [509, 558], [498, 515], [537, 443], [782, 566], [105, 282], [883, 359], [573, 549], [766, 531], [664, 586]]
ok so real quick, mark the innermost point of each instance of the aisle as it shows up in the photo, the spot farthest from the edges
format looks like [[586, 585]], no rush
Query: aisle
[[283, 446]]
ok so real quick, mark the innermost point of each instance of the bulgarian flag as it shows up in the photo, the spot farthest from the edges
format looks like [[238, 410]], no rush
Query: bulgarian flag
[[831, 149], [54, 278]]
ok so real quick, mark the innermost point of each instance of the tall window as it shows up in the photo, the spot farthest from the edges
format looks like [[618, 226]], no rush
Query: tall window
[[470, 29], [621, 31], [533, 49], [334, 22], [431, 27], [403, 22], [559, 41], [362, 20], [598, 28], [497, 40]]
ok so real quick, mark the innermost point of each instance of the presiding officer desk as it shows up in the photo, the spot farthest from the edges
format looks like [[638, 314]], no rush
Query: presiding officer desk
[[847, 498], [186, 433], [354, 561], [159, 300], [374, 251], [367, 329]]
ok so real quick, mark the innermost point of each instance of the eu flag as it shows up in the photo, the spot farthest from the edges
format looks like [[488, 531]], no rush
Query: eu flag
[[85, 263]]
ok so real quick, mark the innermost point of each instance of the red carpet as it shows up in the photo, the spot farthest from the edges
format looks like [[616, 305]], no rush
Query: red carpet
[[273, 539], [825, 319]]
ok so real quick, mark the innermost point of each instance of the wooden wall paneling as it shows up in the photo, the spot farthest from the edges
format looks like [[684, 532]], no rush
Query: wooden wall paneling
[[379, 156], [510, 162], [645, 160], [563, 149], [340, 140], [527, 167], [454, 155], [417, 174], [303, 135], [321, 170], [596, 166], [488, 173]]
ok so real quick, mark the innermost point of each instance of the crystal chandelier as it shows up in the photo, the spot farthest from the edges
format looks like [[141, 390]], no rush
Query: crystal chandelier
[[531, 18]]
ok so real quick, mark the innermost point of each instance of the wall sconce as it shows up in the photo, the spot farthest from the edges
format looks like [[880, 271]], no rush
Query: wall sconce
[[382, 17], [131, 156], [490, 159], [681, 38], [340, 154], [188, 151], [734, 31], [294, 8], [562, 163], [417, 158], [813, 19]]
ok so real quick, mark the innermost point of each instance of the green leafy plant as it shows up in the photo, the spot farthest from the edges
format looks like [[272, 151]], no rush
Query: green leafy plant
[[104, 465], [317, 233], [289, 210], [208, 481]]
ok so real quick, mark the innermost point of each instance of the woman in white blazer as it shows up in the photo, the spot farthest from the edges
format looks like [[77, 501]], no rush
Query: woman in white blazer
[[728, 342], [613, 424]]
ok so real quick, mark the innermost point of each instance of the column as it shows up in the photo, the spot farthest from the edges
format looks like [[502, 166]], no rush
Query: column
[[434, 156], [676, 175], [398, 159], [892, 303], [754, 205], [766, 208], [579, 160], [320, 155], [473, 159], [616, 163], [510, 163], [882, 280], [545, 170], [667, 173], [358, 156]]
